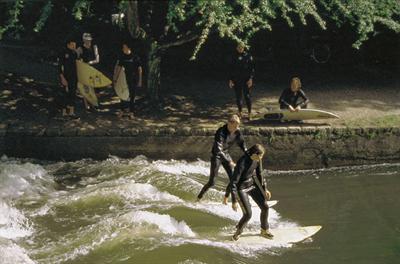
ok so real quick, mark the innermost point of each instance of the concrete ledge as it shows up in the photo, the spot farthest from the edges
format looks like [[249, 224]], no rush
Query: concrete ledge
[[287, 147]]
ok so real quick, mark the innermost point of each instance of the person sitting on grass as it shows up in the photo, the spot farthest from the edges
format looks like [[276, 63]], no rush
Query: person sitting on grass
[[293, 98]]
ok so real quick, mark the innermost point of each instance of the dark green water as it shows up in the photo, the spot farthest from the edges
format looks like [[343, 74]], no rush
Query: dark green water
[[141, 211]]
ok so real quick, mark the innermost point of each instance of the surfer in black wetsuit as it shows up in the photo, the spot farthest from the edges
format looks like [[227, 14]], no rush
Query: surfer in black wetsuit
[[241, 78], [225, 137], [68, 76], [245, 183], [133, 74], [293, 98], [89, 53]]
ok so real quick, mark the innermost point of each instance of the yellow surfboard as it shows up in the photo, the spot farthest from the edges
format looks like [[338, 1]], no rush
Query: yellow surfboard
[[88, 93], [89, 76]]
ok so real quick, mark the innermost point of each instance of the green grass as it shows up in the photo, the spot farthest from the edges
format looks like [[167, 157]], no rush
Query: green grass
[[384, 121]]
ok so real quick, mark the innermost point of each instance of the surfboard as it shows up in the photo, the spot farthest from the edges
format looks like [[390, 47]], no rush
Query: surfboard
[[90, 76], [88, 93], [253, 204], [303, 114], [121, 87], [281, 235]]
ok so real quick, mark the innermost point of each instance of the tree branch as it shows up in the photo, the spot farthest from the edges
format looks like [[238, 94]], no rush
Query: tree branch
[[181, 41]]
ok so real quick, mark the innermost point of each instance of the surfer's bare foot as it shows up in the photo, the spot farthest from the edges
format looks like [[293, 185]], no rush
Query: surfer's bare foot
[[266, 234], [237, 234], [225, 201]]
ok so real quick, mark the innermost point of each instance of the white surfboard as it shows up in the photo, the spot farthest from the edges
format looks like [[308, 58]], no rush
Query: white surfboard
[[281, 236], [121, 87], [303, 114]]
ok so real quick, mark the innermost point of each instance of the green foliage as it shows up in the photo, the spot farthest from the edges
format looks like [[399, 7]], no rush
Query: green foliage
[[46, 12], [81, 9], [13, 21], [239, 20], [364, 15]]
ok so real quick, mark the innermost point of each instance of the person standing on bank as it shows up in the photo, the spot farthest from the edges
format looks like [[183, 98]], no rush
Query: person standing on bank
[[89, 53], [241, 78], [293, 98], [133, 73], [225, 137], [244, 184], [68, 76]]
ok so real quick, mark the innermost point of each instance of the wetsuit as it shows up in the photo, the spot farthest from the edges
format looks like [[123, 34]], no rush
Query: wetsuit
[[223, 141], [288, 97], [67, 67], [242, 69], [131, 63], [89, 55], [245, 183]]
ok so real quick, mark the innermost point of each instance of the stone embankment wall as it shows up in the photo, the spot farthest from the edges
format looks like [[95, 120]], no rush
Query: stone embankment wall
[[287, 147]]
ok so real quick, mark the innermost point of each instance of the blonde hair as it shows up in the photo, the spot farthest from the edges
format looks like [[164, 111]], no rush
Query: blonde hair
[[295, 82], [234, 118]]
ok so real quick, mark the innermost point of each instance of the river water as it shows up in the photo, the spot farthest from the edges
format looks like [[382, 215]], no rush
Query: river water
[[143, 211]]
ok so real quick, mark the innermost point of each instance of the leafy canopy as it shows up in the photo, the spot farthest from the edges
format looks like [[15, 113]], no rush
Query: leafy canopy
[[238, 20]]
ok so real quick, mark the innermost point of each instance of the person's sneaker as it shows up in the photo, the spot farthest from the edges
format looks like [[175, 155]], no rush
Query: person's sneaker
[[225, 201], [266, 234], [237, 234]]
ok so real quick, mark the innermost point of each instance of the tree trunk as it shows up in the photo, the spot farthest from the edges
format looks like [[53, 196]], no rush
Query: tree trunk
[[153, 71], [132, 17]]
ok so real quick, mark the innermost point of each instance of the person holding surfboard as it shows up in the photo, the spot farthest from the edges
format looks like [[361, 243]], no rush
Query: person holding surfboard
[[68, 76], [133, 74], [225, 137], [248, 181], [89, 53], [293, 98], [241, 78]]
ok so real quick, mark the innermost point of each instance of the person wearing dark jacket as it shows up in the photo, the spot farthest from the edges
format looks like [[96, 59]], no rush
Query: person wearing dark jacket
[[244, 184], [241, 78], [133, 74], [293, 98], [68, 76], [225, 137]]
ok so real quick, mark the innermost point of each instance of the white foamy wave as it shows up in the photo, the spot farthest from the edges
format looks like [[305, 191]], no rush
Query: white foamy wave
[[182, 167], [11, 253], [244, 249], [226, 211], [191, 261], [13, 223], [17, 179], [164, 223], [146, 192]]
